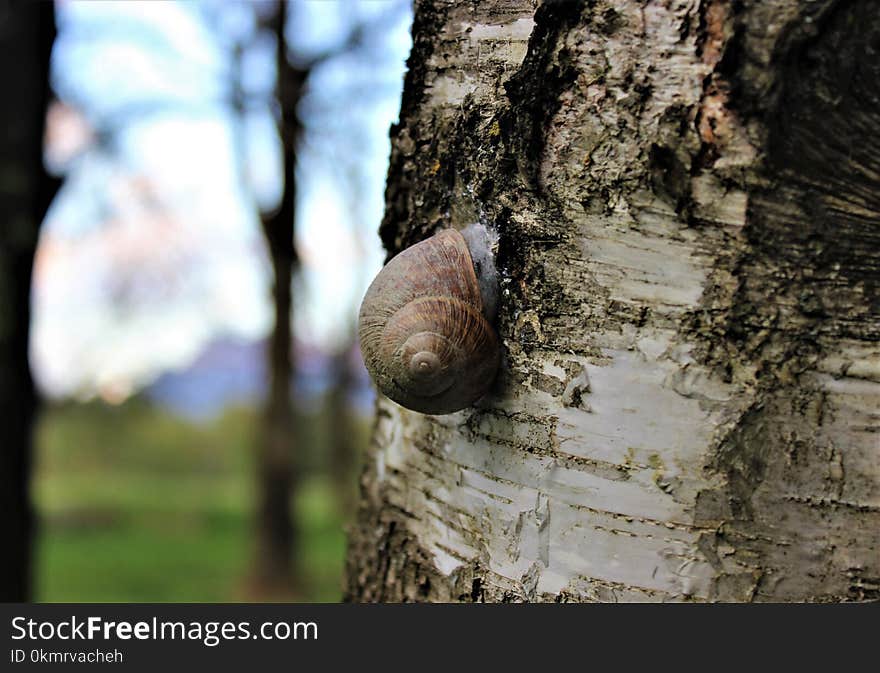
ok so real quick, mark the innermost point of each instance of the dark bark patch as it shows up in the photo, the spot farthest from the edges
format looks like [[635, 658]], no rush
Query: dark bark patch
[[742, 457], [403, 175], [824, 149], [669, 176], [813, 221], [535, 91]]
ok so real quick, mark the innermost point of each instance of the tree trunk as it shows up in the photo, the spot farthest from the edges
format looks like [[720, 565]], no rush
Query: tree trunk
[[277, 473], [26, 35], [342, 431], [687, 196]]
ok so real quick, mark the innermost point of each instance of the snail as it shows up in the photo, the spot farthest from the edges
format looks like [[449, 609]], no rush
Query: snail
[[425, 323]]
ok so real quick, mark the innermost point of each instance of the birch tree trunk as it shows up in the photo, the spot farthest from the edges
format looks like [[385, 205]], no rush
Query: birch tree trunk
[[687, 195]]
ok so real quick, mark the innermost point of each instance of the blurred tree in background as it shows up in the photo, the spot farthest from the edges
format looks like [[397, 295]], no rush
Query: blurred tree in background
[[191, 137], [26, 34], [278, 473]]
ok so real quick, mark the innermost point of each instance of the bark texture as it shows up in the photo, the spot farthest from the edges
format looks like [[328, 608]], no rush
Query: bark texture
[[687, 195]]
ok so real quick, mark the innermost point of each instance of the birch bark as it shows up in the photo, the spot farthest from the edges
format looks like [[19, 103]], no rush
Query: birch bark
[[687, 196]]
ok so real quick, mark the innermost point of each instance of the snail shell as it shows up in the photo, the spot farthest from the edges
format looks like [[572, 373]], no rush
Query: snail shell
[[425, 329]]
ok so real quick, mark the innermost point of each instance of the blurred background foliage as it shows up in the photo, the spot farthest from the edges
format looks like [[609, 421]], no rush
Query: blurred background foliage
[[139, 504], [207, 152]]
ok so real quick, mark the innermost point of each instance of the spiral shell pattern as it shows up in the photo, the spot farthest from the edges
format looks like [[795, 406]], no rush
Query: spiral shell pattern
[[424, 338]]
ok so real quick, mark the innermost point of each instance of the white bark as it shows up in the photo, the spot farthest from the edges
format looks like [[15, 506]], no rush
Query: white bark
[[676, 419]]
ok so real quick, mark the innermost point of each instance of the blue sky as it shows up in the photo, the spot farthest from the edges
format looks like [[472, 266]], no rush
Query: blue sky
[[153, 246]]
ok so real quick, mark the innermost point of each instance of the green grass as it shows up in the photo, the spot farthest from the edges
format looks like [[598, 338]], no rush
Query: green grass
[[138, 505]]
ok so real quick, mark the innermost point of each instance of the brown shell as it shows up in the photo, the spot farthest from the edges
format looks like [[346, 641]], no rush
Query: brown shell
[[423, 335]]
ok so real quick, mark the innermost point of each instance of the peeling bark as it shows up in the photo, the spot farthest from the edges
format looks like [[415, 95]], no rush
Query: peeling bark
[[687, 199]]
